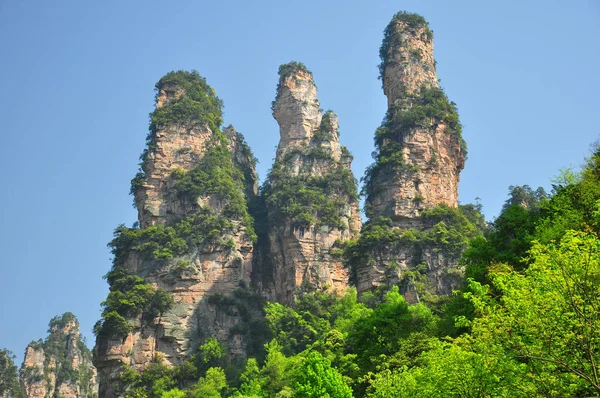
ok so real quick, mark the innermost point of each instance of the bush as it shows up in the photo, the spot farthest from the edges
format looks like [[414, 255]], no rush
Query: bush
[[129, 297]]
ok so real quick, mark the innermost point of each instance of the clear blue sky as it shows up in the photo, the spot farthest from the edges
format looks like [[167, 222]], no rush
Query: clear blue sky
[[77, 82]]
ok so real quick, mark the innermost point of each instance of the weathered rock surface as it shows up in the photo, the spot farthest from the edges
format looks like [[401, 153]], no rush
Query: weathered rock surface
[[213, 264], [174, 146], [309, 150], [61, 365], [431, 152], [420, 155]]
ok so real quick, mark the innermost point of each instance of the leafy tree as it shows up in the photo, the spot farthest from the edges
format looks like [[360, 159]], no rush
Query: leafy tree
[[251, 386], [212, 385], [379, 335], [449, 370], [9, 381], [276, 373], [315, 378], [549, 316], [174, 393]]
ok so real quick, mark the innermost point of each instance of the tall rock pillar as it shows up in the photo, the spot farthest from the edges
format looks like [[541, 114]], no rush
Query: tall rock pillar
[[310, 193], [194, 242], [413, 185], [420, 152]]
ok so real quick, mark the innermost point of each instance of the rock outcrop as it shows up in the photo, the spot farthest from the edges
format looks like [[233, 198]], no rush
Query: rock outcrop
[[419, 156], [310, 193], [61, 365], [194, 243]]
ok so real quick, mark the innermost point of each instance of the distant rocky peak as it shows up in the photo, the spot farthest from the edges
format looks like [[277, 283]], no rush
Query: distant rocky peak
[[65, 324], [60, 365]]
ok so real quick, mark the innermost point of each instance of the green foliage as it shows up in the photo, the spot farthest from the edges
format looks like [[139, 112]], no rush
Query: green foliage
[[210, 386], [60, 321], [163, 242], [249, 306], [547, 317], [195, 102], [129, 297], [308, 201], [9, 381], [291, 68], [136, 183], [446, 229], [315, 378], [216, 175], [392, 37], [448, 370], [381, 332]]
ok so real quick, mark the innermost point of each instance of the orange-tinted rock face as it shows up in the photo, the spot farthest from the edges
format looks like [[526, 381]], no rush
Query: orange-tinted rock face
[[46, 363], [309, 148], [431, 152]]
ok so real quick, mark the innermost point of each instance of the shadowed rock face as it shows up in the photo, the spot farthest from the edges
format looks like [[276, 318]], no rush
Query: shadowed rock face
[[62, 353], [309, 149], [420, 153]]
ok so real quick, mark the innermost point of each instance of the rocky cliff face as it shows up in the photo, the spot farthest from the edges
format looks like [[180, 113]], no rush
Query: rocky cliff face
[[194, 244], [310, 193], [418, 159], [61, 365]]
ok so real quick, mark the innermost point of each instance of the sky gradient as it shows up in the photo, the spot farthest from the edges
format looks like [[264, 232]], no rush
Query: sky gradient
[[78, 85]]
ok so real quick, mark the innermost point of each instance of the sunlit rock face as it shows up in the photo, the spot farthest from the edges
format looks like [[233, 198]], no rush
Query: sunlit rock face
[[301, 245], [419, 156]]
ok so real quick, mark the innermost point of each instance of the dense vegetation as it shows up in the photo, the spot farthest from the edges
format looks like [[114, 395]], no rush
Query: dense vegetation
[[217, 175], [306, 201], [9, 379], [524, 324], [194, 102], [445, 229]]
